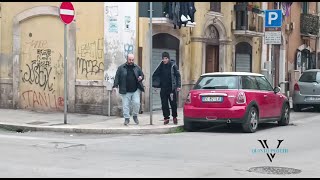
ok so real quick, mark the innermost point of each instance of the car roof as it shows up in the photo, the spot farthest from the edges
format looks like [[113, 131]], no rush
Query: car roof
[[232, 73]]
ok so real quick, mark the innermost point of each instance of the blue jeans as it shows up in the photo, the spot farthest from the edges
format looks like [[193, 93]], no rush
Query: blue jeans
[[131, 97]]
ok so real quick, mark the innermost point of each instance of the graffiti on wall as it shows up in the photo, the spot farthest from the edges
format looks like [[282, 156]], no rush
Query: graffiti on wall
[[119, 34], [41, 76], [39, 70], [89, 58], [33, 99]]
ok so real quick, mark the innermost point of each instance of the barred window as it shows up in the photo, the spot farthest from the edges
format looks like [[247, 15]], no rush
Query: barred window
[[215, 6]]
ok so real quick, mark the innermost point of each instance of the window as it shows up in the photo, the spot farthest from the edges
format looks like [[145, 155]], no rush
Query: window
[[308, 77], [217, 82], [305, 7], [249, 82], [264, 84], [215, 6], [318, 77]]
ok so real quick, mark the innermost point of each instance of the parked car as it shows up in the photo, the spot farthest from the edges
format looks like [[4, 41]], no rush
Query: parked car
[[235, 97], [307, 90]]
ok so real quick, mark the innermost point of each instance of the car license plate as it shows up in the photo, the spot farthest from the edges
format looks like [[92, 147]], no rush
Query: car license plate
[[312, 99], [212, 99]]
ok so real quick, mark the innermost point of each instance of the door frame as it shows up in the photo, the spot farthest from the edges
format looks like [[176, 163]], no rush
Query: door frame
[[16, 43], [216, 63]]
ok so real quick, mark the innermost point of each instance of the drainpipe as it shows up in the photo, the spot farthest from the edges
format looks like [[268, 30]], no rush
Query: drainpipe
[[317, 38], [264, 50]]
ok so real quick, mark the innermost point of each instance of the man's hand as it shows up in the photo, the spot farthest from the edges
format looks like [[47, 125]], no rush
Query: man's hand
[[178, 89], [114, 90], [139, 78]]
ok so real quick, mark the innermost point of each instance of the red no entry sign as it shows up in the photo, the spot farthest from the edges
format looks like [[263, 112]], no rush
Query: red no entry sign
[[66, 12]]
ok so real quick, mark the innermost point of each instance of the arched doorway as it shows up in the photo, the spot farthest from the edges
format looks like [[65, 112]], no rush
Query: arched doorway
[[163, 42], [243, 57], [212, 49]]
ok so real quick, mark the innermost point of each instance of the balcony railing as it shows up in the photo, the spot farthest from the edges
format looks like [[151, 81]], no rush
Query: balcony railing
[[249, 22], [158, 9], [309, 24]]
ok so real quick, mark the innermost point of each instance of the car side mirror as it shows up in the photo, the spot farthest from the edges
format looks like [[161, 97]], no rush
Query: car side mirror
[[276, 89]]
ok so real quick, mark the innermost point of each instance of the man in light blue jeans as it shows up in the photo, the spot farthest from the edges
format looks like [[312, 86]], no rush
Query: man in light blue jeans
[[134, 98], [129, 77]]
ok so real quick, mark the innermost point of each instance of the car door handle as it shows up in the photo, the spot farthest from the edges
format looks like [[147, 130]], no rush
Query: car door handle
[[265, 96]]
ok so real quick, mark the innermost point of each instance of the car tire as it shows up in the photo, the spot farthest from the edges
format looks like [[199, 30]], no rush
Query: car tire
[[285, 115], [188, 126], [251, 121], [317, 108], [297, 108]]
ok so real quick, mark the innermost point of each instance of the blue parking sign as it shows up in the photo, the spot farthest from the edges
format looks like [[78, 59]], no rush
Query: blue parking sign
[[273, 18]]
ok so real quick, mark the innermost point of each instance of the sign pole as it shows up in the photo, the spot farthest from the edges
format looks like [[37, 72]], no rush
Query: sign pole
[[66, 15], [65, 75], [150, 42]]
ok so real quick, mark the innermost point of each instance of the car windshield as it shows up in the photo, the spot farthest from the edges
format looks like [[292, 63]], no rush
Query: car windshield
[[217, 82], [308, 77]]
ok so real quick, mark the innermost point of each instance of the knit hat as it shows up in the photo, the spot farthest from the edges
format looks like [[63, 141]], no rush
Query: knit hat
[[165, 54]]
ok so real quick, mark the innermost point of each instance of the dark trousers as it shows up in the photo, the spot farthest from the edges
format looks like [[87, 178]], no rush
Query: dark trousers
[[165, 97]]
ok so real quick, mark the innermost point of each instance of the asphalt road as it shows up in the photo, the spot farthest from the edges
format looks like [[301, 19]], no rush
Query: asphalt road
[[213, 152]]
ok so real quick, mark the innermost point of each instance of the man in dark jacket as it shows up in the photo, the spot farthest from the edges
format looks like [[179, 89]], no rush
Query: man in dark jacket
[[167, 77], [129, 77]]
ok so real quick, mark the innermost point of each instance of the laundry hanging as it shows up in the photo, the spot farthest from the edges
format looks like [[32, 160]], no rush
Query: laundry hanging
[[181, 13]]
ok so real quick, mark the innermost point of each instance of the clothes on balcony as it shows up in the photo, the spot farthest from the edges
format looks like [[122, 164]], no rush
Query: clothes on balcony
[[181, 13], [176, 14], [286, 6], [192, 10]]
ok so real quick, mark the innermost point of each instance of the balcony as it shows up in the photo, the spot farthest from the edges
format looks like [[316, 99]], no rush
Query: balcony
[[249, 21], [309, 25], [158, 13]]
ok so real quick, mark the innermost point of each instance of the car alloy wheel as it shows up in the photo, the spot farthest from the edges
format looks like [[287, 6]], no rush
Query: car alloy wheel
[[285, 117], [253, 120]]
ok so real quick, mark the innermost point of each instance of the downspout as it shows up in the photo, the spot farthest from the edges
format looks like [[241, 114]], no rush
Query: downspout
[[264, 6], [317, 38], [0, 45]]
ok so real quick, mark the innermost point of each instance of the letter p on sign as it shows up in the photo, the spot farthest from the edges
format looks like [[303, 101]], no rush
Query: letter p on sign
[[273, 18]]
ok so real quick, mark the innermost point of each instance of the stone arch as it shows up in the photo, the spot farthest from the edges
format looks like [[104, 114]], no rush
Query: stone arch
[[160, 40], [218, 24], [166, 30], [221, 29], [71, 50]]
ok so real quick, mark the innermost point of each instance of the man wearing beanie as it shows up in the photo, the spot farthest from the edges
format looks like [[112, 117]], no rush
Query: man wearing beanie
[[167, 77]]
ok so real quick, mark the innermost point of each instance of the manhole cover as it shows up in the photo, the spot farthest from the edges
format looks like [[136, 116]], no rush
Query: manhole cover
[[274, 170], [37, 122]]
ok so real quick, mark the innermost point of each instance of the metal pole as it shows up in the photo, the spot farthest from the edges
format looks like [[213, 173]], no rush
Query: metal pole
[[109, 92], [150, 45], [65, 75]]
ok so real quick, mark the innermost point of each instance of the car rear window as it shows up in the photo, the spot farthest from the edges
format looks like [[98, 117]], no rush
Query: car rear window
[[308, 77], [217, 82]]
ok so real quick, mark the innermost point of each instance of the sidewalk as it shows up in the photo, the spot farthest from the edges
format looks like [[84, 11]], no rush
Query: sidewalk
[[23, 120]]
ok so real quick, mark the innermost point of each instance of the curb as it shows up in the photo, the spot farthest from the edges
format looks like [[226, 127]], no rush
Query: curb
[[23, 128]]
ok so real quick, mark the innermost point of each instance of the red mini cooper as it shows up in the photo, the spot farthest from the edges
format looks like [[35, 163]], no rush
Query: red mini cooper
[[235, 97]]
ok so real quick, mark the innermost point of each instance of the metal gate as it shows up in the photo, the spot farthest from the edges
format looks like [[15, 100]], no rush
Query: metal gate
[[243, 63], [156, 59]]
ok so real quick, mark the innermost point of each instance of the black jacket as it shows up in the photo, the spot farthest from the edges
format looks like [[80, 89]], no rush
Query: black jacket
[[121, 78], [175, 76]]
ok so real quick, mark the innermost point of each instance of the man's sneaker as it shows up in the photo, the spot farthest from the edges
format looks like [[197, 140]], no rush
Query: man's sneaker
[[166, 121], [135, 118], [126, 121], [175, 121]]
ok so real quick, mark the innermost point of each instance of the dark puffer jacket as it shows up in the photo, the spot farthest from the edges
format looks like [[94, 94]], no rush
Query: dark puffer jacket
[[121, 78], [175, 76]]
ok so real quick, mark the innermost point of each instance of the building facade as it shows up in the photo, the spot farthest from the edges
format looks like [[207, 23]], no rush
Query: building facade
[[227, 36]]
